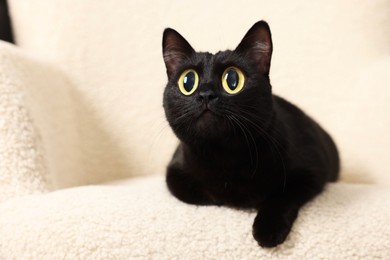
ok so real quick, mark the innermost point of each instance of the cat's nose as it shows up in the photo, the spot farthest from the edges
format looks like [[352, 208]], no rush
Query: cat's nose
[[207, 95]]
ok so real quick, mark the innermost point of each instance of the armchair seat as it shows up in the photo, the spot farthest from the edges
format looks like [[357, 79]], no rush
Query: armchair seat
[[139, 219]]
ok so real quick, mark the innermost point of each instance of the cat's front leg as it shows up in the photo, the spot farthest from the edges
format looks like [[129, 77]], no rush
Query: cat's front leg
[[184, 187], [277, 215], [272, 225]]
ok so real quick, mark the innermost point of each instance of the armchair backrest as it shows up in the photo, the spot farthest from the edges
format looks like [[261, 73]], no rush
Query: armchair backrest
[[330, 57]]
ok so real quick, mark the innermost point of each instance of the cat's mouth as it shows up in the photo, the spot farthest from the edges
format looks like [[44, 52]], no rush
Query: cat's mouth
[[206, 114], [207, 118], [208, 124]]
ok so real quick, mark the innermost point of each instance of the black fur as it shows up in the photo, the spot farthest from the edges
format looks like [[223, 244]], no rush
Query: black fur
[[247, 150]]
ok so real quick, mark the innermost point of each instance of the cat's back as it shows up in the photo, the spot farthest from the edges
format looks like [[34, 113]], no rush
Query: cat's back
[[281, 105], [291, 115], [305, 132]]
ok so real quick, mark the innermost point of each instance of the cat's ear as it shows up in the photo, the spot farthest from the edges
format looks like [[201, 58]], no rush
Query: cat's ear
[[257, 45], [175, 49]]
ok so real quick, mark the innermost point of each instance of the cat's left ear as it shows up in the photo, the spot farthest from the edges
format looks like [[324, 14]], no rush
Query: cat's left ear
[[175, 50], [257, 45]]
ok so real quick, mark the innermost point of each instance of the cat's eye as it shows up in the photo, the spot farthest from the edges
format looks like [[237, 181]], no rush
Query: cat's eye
[[188, 82], [233, 80]]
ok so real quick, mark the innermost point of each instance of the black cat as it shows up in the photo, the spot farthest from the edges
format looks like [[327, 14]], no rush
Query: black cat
[[240, 145]]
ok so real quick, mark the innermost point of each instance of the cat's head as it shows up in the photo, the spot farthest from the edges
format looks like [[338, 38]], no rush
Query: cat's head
[[215, 96]]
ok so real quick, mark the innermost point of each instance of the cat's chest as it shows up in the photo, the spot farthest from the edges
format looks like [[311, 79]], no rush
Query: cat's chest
[[235, 193], [237, 171], [235, 178]]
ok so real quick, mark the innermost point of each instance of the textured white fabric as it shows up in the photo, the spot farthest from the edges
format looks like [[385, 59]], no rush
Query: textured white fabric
[[39, 118], [140, 220], [330, 57], [22, 165]]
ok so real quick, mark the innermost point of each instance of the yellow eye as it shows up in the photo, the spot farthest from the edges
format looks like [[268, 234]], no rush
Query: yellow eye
[[188, 82], [233, 80]]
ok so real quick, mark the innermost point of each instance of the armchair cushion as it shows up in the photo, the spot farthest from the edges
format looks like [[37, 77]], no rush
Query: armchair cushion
[[139, 219]]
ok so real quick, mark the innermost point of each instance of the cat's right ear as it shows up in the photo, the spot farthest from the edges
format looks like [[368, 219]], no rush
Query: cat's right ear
[[257, 45], [175, 50]]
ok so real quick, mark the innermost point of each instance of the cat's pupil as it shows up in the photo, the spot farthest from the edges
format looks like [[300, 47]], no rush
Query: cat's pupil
[[232, 79], [189, 81]]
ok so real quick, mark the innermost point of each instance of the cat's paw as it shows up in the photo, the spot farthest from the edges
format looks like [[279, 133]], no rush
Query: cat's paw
[[270, 230]]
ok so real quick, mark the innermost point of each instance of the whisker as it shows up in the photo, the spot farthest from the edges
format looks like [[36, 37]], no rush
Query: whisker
[[234, 120], [243, 127]]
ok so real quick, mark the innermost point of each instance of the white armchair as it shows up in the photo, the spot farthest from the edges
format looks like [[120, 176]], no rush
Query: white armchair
[[84, 142]]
